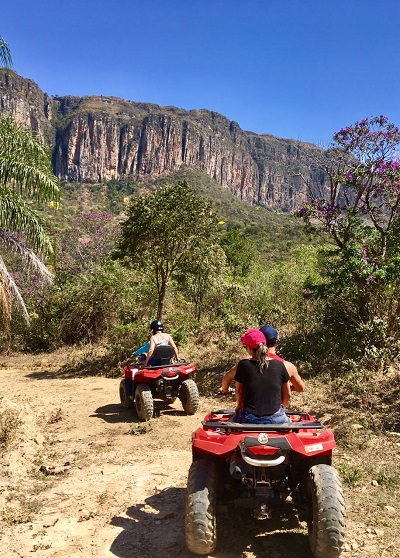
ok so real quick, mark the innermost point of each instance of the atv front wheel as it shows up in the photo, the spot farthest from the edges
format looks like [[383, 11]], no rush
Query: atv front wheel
[[126, 402], [144, 402], [200, 515], [189, 396], [326, 518]]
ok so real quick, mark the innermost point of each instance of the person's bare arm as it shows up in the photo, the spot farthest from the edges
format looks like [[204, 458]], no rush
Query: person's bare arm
[[239, 396], [295, 380], [171, 342], [151, 351], [228, 379], [285, 392]]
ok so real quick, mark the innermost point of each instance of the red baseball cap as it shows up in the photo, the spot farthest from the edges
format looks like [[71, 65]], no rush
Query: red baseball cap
[[252, 338]]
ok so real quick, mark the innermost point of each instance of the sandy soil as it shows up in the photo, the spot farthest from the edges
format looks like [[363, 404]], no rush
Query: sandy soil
[[82, 478]]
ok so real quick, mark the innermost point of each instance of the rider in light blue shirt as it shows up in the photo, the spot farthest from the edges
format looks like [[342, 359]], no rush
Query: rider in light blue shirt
[[144, 349]]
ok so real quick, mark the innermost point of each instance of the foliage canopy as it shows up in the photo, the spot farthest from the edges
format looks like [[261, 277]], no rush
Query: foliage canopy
[[165, 231]]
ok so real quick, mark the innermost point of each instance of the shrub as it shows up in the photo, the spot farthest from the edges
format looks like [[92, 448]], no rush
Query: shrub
[[384, 478], [351, 474], [86, 308], [94, 302], [9, 423], [124, 339]]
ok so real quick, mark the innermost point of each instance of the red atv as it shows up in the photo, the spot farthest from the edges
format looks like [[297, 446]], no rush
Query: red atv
[[166, 381], [264, 467]]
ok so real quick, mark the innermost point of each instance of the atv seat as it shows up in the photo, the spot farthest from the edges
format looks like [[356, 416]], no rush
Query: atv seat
[[164, 354]]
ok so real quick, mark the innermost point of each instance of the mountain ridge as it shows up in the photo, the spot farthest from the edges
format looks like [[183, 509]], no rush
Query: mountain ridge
[[98, 138]]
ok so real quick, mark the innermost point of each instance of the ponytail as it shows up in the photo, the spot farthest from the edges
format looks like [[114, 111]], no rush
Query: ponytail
[[261, 356]]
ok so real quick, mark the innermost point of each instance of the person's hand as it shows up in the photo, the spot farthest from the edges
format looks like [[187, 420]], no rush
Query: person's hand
[[220, 393]]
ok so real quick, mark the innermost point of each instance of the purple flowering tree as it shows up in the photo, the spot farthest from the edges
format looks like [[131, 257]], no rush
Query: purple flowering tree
[[87, 240], [363, 198], [360, 212]]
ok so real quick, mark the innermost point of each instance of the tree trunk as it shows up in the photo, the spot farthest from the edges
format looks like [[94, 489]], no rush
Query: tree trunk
[[161, 299]]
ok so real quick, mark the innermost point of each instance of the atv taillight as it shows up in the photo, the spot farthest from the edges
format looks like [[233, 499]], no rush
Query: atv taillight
[[170, 375], [262, 450]]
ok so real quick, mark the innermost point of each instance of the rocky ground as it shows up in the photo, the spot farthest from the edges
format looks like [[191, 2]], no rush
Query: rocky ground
[[81, 477]]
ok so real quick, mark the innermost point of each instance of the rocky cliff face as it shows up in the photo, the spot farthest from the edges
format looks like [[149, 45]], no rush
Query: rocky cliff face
[[99, 138], [22, 99]]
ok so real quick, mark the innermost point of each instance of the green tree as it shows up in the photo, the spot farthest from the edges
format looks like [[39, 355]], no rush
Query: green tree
[[164, 231], [239, 249], [26, 181], [201, 273]]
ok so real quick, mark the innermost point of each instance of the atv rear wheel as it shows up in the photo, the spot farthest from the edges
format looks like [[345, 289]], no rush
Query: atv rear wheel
[[200, 515], [144, 402], [189, 396], [326, 518], [126, 402]]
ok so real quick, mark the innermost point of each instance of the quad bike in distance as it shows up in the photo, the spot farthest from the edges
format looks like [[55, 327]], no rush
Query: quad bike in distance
[[167, 381], [264, 468]]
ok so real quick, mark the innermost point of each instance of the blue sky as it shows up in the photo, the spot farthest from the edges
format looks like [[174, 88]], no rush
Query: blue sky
[[298, 69]]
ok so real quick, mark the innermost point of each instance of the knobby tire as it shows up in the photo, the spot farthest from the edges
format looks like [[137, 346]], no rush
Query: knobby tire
[[200, 516], [327, 517]]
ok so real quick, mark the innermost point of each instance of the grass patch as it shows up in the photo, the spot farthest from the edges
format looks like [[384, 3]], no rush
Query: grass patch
[[22, 510], [55, 416], [9, 424], [384, 478], [137, 429], [351, 474]]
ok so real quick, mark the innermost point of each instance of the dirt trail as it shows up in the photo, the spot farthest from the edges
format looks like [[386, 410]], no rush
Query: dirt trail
[[83, 479]]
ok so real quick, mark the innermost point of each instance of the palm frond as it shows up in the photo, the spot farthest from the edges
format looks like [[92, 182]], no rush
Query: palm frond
[[14, 246], [26, 176], [30, 180], [25, 163], [17, 216], [14, 292], [5, 54]]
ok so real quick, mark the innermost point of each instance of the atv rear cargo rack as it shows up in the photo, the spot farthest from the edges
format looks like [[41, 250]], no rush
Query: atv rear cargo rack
[[286, 427], [232, 411]]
